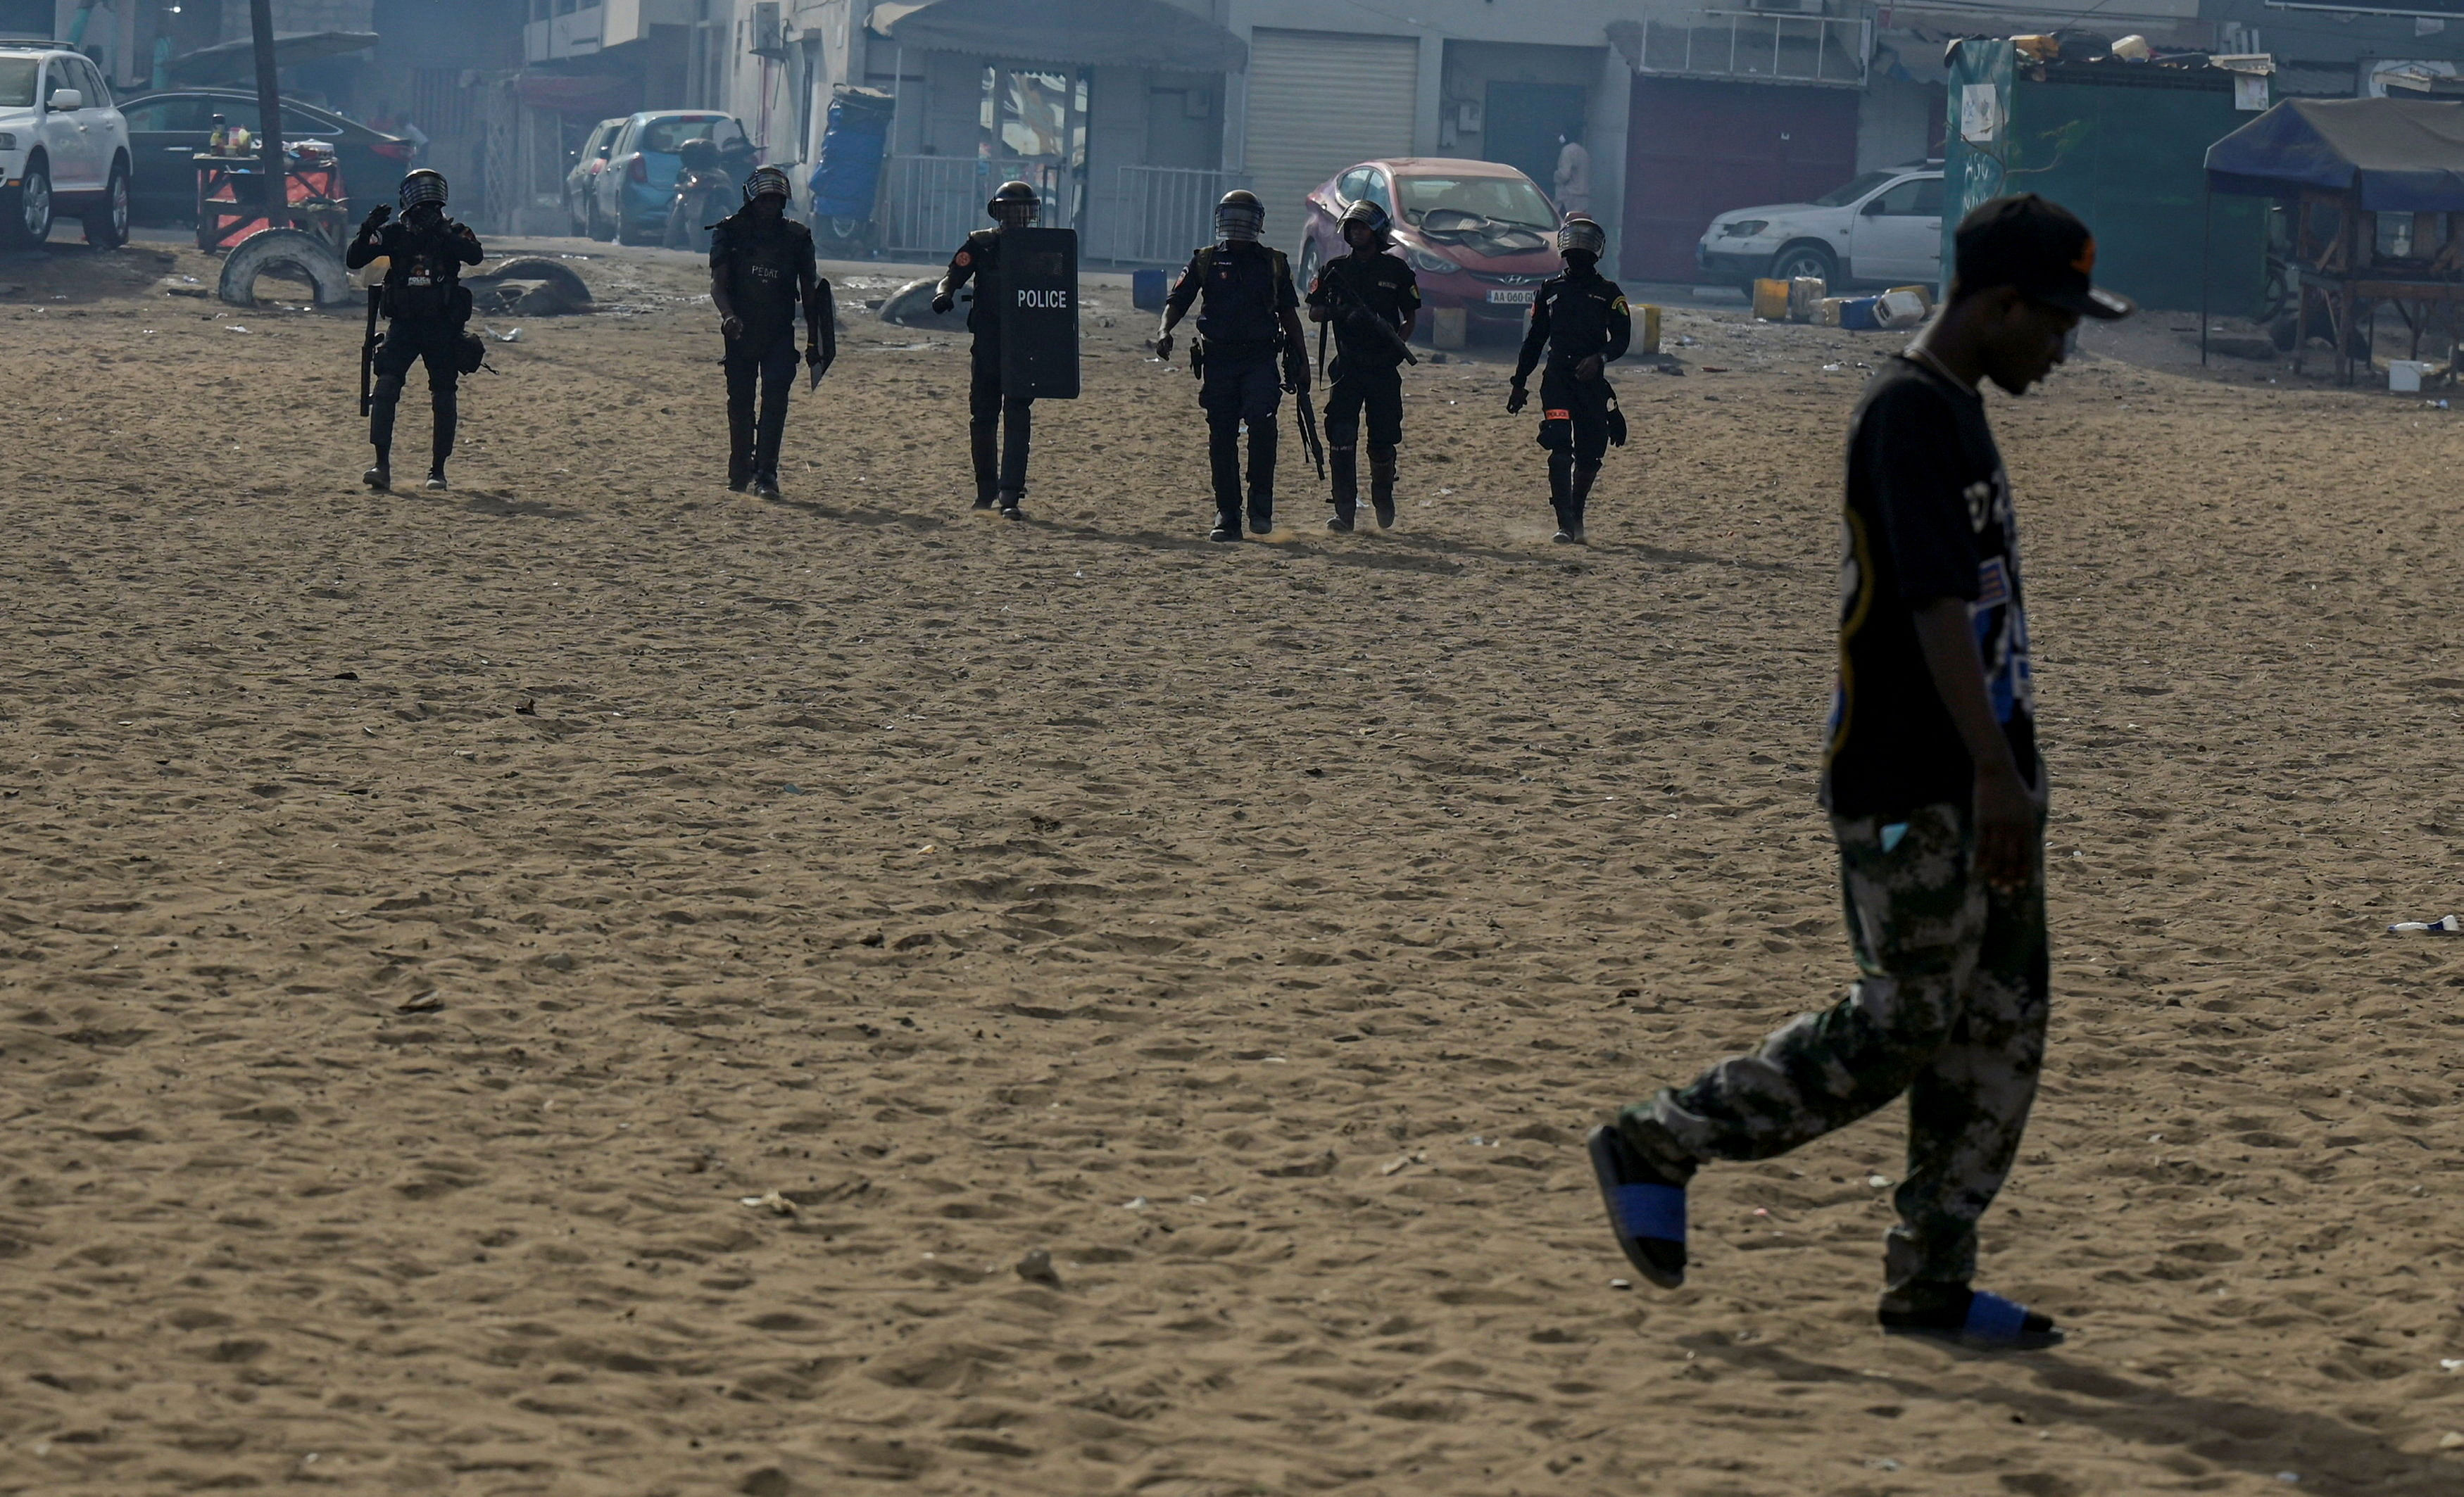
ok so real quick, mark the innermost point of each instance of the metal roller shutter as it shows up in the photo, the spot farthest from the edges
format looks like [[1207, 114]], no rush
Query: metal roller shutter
[[1318, 102]]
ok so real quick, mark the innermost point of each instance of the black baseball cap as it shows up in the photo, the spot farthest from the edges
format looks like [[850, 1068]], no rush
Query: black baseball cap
[[2037, 247]]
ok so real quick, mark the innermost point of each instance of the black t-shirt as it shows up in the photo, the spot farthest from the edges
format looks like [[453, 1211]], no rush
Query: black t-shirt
[[1928, 517], [1381, 283]]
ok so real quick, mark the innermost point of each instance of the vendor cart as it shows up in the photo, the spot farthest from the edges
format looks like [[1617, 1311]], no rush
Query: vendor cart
[[231, 206]]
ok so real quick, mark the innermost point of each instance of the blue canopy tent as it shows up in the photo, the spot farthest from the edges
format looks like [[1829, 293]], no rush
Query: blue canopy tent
[[2376, 187]]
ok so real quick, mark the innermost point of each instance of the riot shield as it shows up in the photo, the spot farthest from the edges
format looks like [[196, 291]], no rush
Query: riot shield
[[1038, 314]]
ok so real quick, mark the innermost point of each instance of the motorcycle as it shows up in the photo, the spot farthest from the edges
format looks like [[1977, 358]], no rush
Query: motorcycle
[[705, 192]]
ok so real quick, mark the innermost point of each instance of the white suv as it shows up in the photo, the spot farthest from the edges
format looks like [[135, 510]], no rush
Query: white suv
[[63, 147], [1882, 229]]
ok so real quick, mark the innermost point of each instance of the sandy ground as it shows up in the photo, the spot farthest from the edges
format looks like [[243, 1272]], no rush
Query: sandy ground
[[426, 921]]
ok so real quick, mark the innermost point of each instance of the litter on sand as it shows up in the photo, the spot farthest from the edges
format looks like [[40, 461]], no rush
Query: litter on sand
[[2444, 925]]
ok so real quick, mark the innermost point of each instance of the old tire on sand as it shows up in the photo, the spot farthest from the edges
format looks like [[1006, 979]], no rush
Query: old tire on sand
[[286, 249]]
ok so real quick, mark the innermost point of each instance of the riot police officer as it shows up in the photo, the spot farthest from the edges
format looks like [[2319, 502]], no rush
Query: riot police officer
[[1251, 315], [426, 307], [998, 428], [1580, 319], [1372, 299], [760, 270]]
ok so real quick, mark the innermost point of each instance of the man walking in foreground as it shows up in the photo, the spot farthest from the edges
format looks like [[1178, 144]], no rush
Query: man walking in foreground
[[1937, 798]]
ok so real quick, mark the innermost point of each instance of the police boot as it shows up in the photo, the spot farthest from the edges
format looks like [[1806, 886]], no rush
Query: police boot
[[1561, 497], [1008, 499], [1343, 463], [1585, 475], [440, 443], [1223, 465], [739, 452], [984, 443], [1261, 478], [382, 405], [1381, 485]]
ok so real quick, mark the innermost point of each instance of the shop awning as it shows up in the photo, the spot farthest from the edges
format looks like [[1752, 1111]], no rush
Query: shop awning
[[1125, 33], [2403, 155], [236, 62], [598, 95]]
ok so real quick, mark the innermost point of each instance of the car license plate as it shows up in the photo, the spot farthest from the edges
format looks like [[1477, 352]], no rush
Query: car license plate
[[1509, 298]]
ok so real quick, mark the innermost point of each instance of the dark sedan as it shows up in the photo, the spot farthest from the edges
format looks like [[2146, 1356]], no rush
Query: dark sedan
[[166, 130]]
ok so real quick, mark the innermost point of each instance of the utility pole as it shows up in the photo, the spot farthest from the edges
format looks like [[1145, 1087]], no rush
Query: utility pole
[[275, 181]]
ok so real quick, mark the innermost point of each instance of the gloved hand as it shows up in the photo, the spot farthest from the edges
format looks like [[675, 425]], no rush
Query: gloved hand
[[1295, 374], [1163, 347], [943, 301], [731, 325], [376, 218], [1589, 368], [1516, 398]]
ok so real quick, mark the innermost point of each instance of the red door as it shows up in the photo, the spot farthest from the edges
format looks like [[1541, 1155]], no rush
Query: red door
[[1696, 149]]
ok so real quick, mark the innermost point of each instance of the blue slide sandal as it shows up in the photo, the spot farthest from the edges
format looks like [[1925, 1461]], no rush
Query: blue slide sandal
[[1647, 1212], [1985, 1323]]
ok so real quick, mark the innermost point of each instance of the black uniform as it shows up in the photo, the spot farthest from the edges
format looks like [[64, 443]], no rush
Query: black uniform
[[769, 271], [426, 308], [998, 429], [1246, 289], [1576, 315], [1367, 373]]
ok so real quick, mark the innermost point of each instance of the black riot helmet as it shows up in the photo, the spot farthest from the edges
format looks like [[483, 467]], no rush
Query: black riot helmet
[[423, 187], [1580, 236], [1238, 215], [1014, 205], [767, 181], [1369, 215]]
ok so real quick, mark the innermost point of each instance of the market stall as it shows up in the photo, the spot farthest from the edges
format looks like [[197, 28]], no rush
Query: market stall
[[2375, 187]]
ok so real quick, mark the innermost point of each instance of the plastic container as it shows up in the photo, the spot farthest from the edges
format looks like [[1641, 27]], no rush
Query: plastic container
[[1147, 289], [1858, 313], [1898, 309], [1645, 338], [1770, 299], [1804, 294], [1826, 312], [2404, 376]]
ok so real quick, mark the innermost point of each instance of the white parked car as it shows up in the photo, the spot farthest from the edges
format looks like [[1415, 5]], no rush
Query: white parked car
[[63, 147], [1882, 229]]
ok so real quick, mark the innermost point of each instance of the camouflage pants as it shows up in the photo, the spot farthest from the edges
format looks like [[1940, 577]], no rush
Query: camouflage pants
[[1949, 1008]]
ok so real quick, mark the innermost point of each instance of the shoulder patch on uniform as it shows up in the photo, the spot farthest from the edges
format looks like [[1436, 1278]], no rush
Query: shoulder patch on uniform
[[1618, 305], [964, 257]]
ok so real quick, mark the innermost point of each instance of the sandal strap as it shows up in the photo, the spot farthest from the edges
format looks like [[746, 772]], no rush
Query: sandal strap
[[1992, 1318], [1652, 1211]]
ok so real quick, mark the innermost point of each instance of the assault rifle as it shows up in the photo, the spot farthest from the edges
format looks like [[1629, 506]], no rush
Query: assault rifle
[[368, 348], [1307, 417], [1357, 311]]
